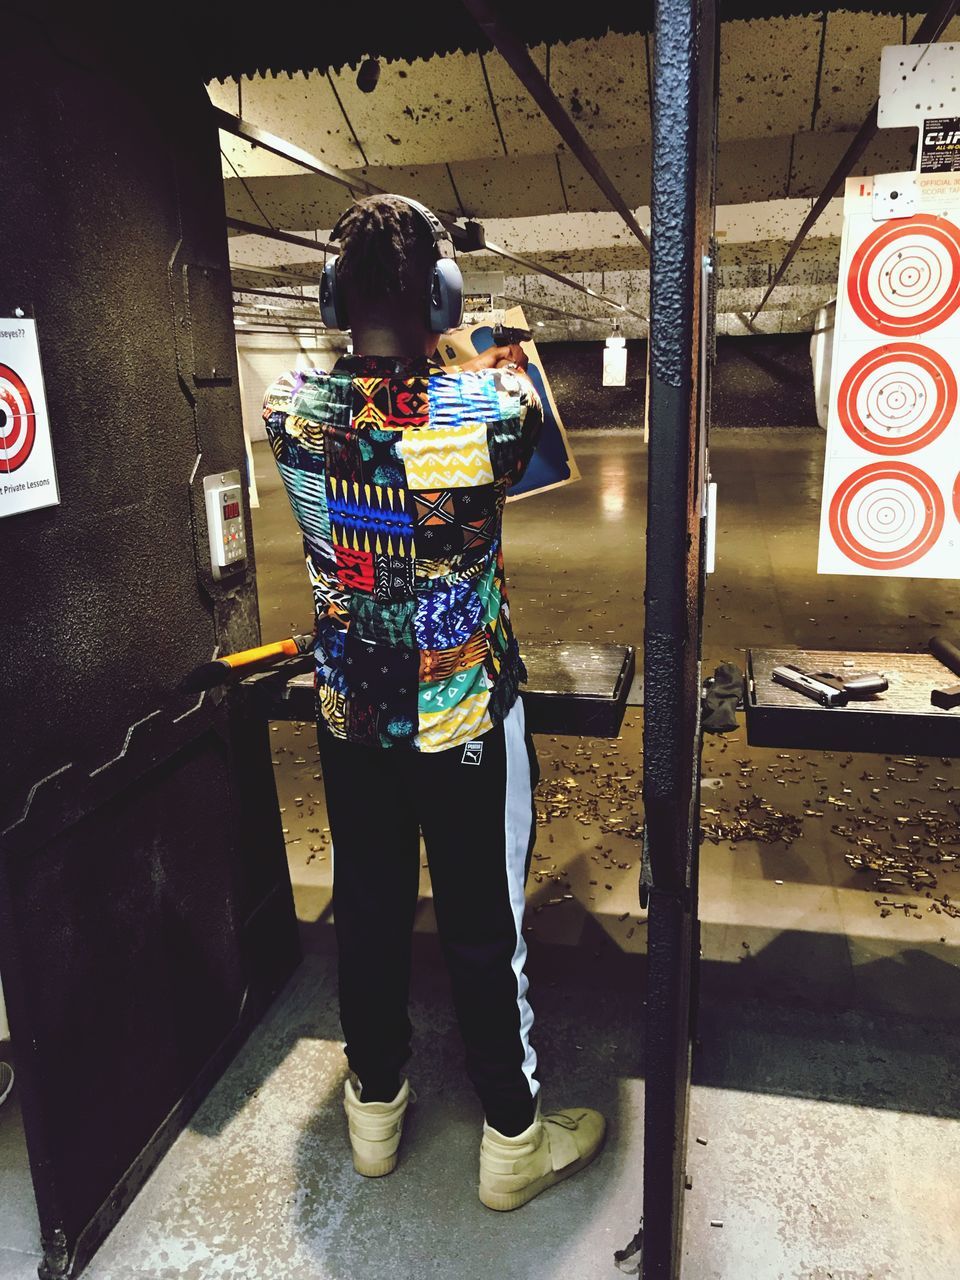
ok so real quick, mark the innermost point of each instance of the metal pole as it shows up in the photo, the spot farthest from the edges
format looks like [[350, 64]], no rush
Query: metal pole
[[684, 144]]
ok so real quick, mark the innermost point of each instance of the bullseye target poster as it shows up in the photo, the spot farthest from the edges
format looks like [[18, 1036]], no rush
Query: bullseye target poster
[[891, 488], [28, 478]]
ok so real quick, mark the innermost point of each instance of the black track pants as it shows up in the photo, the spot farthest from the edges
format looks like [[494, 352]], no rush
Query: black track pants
[[474, 805]]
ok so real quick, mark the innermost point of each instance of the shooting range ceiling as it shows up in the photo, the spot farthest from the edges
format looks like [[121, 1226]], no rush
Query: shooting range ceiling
[[460, 132]]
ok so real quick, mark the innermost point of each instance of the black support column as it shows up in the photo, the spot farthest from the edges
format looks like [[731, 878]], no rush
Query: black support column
[[681, 330]]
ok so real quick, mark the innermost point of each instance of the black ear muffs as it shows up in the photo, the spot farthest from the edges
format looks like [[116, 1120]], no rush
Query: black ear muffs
[[444, 293], [333, 306], [446, 296]]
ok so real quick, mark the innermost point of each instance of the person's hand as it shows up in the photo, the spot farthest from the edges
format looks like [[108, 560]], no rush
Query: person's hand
[[516, 356], [496, 358]]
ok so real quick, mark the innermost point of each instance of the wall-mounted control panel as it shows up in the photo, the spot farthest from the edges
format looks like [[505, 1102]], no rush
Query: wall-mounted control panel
[[223, 496]]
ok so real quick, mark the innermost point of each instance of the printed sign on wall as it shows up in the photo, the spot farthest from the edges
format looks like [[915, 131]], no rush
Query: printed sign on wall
[[28, 478], [552, 464], [891, 487]]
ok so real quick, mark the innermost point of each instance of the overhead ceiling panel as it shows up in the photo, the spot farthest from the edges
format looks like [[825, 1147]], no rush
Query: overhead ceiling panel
[[850, 76], [428, 183], [768, 73], [603, 86], [525, 129], [628, 168], [294, 202], [753, 169], [307, 202], [509, 186], [265, 279], [816, 155], [422, 112], [822, 252], [300, 109]]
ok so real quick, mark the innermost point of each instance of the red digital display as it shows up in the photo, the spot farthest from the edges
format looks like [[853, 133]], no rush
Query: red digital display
[[231, 510]]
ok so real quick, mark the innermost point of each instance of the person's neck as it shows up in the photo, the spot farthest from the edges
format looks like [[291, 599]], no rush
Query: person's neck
[[386, 340]]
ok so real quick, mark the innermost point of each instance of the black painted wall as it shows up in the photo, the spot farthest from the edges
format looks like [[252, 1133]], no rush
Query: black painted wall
[[764, 381], [145, 906]]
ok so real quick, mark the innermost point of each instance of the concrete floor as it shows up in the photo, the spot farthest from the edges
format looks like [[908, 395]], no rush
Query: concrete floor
[[823, 1083]]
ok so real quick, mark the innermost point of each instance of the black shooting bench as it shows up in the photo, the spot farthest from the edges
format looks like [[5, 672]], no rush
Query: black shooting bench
[[574, 687], [902, 720]]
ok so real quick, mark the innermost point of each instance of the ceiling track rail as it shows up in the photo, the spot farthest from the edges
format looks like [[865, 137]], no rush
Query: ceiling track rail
[[515, 54], [287, 237], [468, 236], [271, 293], [281, 273]]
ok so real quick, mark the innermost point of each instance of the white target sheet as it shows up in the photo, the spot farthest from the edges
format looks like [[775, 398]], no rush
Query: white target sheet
[[28, 477], [891, 486]]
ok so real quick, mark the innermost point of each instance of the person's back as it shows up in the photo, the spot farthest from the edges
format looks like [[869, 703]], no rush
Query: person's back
[[397, 471]]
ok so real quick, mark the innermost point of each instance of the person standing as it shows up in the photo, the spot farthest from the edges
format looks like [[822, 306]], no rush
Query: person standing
[[397, 470]]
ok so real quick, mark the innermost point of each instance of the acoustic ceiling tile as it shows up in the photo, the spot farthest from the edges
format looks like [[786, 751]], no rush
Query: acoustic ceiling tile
[[509, 186], [526, 131], [768, 73], [422, 112], [627, 167], [850, 77], [753, 169]]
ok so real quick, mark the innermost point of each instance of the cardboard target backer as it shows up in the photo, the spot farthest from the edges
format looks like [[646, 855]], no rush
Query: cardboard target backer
[[891, 487], [28, 478], [553, 464]]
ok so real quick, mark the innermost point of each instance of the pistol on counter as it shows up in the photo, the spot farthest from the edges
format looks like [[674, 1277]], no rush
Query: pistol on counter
[[828, 689]]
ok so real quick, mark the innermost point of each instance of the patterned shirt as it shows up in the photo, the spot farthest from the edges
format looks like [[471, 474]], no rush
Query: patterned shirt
[[397, 471]]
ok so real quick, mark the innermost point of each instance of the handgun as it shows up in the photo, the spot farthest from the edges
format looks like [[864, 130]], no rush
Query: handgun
[[828, 689], [510, 335]]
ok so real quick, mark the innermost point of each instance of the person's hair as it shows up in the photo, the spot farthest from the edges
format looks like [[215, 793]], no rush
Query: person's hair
[[386, 251]]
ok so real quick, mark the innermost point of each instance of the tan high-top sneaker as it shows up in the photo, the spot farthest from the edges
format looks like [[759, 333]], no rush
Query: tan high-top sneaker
[[375, 1129], [558, 1144]]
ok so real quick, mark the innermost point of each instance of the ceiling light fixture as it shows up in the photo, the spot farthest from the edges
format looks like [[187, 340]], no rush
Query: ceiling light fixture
[[368, 77]]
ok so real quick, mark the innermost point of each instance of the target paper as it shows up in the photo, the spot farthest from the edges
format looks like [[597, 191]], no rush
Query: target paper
[[17, 420], [890, 502], [27, 474], [553, 464], [904, 278], [897, 398], [887, 515]]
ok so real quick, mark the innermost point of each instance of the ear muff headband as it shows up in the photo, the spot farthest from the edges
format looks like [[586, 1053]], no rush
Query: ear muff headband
[[444, 291]]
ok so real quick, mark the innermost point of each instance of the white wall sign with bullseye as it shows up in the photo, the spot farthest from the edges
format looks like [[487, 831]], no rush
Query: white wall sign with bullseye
[[28, 477], [891, 493]]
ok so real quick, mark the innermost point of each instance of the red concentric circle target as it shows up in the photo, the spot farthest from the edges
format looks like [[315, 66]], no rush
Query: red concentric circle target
[[897, 398], [886, 515], [956, 496], [905, 277], [17, 420]]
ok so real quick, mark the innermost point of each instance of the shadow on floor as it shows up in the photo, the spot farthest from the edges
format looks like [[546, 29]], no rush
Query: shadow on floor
[[821, 1037]]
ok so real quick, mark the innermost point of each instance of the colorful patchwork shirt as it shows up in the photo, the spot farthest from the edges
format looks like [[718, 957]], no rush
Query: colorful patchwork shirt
[[397, 471]]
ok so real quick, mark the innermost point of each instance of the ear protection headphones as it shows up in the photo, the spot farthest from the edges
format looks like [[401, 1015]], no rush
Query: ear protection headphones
[[444, 287]]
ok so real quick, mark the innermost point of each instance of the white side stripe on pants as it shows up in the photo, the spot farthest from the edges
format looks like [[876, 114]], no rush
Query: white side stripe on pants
[[518, 820]]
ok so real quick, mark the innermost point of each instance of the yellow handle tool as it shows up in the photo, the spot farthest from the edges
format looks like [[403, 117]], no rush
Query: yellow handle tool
[[219, 671]]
